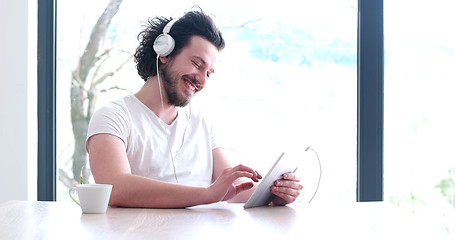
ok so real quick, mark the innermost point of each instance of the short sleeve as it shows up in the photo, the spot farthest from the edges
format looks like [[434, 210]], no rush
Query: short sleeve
[[110, 119]]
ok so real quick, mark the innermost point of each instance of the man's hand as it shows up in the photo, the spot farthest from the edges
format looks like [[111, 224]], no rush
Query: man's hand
[[287, 189], [224, 189]]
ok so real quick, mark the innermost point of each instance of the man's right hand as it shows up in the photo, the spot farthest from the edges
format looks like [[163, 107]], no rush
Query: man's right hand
[[224, 188]]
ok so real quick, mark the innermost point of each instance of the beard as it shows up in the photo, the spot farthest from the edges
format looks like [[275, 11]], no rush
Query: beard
[[170, 84]]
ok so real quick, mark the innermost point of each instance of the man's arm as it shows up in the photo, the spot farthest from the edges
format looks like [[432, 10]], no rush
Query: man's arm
[[109, 164]]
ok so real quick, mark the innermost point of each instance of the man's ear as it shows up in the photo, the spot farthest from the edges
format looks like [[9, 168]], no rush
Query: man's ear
[[164, 60]]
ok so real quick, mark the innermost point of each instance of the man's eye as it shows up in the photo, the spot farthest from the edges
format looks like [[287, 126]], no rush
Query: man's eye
[[196, 64]]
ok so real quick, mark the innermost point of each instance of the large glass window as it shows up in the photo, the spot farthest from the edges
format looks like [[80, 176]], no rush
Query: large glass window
[[419, 117], [286, 80]]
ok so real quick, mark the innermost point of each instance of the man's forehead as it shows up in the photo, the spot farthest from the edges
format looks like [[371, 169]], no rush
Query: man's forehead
[[203, 50]]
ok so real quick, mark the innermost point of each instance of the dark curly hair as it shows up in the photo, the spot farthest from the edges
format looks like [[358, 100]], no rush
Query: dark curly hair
[[195, 22]]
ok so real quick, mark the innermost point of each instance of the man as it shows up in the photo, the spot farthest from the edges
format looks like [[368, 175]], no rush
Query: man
[[155, 152]]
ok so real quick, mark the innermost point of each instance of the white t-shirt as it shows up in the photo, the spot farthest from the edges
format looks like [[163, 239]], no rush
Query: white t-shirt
[[190, 136]]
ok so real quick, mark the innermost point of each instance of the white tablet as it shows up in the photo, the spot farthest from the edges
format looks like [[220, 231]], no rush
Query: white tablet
[[262, 195]]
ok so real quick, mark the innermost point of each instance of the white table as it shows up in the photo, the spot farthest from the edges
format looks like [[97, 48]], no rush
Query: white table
[[65, 220]]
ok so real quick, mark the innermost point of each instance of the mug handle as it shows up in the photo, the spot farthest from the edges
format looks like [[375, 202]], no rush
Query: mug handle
[[71, 193]]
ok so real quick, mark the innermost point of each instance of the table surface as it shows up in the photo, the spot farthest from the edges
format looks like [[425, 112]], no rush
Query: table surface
[[65, 220]]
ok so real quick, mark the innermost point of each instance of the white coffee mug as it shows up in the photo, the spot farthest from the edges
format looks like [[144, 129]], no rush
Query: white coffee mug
[[92, 198]]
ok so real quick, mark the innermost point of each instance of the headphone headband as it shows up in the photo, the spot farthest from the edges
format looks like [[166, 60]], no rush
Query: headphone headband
[[169, 25]]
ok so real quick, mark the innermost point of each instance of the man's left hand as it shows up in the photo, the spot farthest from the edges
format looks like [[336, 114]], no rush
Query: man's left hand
[[287, 189]]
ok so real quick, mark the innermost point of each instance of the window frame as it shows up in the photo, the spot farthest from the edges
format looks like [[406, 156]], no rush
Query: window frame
[[46, 100], [370, 98]]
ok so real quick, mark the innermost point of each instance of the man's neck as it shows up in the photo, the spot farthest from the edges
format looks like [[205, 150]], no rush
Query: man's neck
[[149, 95]]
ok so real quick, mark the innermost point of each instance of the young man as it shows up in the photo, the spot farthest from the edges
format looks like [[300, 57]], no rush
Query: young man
[[153, 151]]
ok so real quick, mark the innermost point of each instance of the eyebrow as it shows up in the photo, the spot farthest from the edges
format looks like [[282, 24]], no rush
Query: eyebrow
[[204, 63]]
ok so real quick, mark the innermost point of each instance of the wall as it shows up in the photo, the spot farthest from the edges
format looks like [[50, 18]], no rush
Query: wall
[[17, 100]]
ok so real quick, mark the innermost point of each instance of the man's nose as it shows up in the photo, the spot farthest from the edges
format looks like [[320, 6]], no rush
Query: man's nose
[[201, 80]]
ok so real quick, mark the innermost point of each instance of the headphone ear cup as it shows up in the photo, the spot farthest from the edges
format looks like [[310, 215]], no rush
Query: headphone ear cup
[[164, 44]]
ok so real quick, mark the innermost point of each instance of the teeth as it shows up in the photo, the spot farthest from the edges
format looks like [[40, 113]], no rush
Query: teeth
[[190, 85]]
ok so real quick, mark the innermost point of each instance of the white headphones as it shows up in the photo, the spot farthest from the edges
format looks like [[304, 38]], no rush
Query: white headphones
[[164, 43], [163, 46]]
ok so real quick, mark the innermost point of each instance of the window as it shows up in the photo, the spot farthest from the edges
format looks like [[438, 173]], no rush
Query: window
[[419, 166], [306, 96]]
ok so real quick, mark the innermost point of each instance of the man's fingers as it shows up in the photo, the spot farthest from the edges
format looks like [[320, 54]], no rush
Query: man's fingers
[[291, 177], [236, 189], [286, 190], [231, 175], [243, 187], [283, 199], [290, 180], [255, 176], [228, 177], [287, 194], [288, 184], [259, 175]]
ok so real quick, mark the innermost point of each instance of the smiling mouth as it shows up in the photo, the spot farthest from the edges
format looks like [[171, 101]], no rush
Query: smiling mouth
[[191, 83]]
